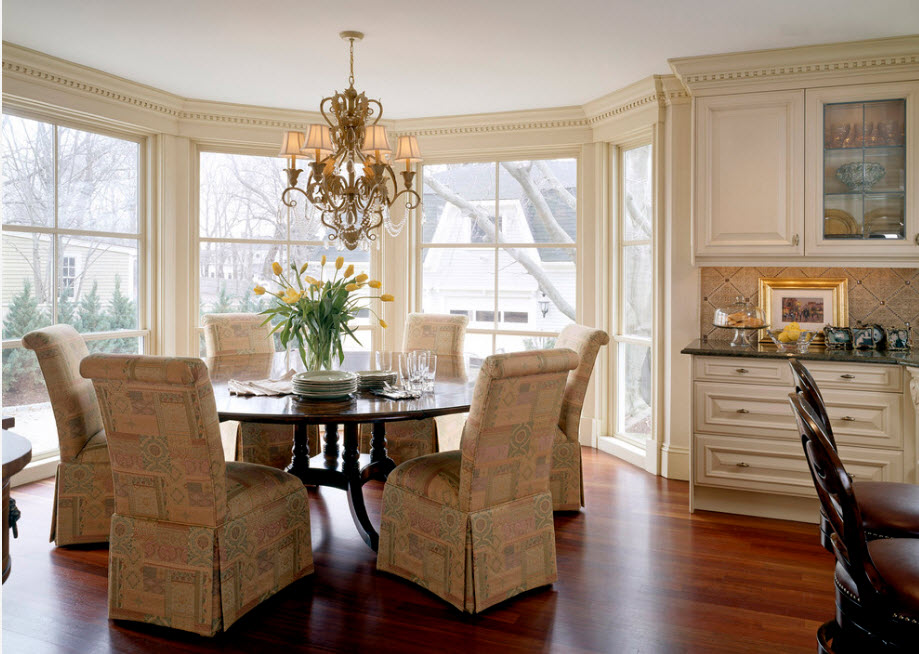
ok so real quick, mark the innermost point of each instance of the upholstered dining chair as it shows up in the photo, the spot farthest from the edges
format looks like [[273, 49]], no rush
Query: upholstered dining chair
[[567, 478], [474, 525], [888, 509], [235, 334], [83, 495], [877, 581], [442, 334], [195, 542]]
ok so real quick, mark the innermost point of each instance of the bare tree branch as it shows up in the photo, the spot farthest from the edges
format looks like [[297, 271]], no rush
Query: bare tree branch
[[521, 172], [487, 224], [556, 184]]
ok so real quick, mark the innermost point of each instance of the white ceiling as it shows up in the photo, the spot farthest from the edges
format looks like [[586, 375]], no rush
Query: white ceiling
[[426, 57]]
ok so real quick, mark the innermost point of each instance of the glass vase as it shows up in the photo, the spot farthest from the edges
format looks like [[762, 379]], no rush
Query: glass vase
[[318, 350]]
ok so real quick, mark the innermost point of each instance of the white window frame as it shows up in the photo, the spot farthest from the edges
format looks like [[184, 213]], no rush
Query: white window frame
[[639, 451], [420, 246], [37, 468], [195, 308]]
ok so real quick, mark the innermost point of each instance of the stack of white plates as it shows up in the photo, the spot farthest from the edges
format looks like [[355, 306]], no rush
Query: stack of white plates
[[325, 384], [372, 380]]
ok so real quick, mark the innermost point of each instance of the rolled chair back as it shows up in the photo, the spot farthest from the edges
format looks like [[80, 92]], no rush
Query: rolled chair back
[[60, 349], [507, 441], [805, 384], [163, 437], [236, 333], [440, 333], [586, 343], [837, 498]]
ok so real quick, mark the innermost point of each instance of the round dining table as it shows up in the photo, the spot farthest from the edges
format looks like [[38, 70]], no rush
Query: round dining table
[[342, 467]]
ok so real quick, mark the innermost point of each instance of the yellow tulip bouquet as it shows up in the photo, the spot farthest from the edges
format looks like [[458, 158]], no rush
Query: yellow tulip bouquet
[[318, 312]]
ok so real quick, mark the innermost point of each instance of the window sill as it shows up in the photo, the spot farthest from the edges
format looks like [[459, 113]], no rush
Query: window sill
[[36, 471]]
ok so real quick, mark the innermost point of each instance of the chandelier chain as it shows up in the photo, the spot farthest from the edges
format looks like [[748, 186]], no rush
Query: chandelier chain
[[351, 76]]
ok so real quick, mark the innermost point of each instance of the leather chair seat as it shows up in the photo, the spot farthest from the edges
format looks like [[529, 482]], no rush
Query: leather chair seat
[[889, 510], [897, 561]]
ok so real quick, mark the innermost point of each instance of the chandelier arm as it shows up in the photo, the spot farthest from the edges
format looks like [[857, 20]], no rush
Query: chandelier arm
[[411, 193], [286, 195], [379, 112]]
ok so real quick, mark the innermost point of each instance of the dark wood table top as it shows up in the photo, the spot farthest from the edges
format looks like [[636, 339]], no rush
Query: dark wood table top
[[453, 387], [17, 452]]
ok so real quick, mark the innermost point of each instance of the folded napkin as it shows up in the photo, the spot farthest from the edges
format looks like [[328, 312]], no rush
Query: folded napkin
[[282, 386], [397, 394]]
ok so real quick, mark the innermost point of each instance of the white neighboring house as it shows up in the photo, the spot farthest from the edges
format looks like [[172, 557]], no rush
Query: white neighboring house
[[462, 280], [82, 262]]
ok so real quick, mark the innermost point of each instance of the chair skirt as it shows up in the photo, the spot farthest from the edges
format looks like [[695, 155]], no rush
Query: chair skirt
[[566, 481], [203, 579], [84, 500], [471, 560]]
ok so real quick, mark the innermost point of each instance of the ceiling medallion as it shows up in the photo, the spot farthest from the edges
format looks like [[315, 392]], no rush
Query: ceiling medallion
[[351, 182]]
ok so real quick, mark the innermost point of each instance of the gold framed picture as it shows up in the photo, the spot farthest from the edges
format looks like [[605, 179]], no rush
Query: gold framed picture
[[812, 302]]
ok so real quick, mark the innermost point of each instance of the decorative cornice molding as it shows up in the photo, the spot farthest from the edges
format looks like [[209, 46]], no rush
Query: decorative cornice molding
[[802, 69], [796, 65], [85, 87]]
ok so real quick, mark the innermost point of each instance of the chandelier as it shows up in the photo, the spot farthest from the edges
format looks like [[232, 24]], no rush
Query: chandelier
[[351, 182]]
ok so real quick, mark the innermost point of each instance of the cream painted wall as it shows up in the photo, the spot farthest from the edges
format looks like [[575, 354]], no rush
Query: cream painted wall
[[175, 128]]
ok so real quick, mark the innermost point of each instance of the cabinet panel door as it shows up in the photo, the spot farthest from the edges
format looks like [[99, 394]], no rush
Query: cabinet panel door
[[900, 192], [780, 467], [749, 175]]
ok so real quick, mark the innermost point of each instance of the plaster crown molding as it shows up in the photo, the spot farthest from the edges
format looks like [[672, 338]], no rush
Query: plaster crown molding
[[798, 65]]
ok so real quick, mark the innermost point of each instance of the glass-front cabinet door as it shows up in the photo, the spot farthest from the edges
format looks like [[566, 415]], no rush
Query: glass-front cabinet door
[[862, 167]]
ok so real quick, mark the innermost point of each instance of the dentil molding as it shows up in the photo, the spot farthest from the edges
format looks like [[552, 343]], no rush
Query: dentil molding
[[815, 65], [39, 68]]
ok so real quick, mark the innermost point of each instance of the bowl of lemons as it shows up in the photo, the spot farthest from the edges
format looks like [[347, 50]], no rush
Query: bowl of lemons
[[791, 337]]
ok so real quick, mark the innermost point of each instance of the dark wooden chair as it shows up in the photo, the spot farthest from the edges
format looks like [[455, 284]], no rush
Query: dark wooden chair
[[888, 509], [877, 582]]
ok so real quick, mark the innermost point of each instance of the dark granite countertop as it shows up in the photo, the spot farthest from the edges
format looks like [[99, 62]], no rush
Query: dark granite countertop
[[815, 353]]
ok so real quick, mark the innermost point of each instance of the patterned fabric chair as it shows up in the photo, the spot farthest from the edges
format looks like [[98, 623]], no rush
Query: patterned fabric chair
[[567, 479], [195, 542], [474, 526], [442, 334], [233, 334], [83, 495]]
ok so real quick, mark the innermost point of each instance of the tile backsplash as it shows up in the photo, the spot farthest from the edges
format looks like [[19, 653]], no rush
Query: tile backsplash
[[887, 296]]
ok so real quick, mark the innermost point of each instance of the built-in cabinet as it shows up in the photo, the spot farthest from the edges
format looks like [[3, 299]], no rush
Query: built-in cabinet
[[827, 173], [746, 451]]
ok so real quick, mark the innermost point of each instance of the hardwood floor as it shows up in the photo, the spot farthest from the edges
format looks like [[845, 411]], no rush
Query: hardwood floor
[[637, 573]]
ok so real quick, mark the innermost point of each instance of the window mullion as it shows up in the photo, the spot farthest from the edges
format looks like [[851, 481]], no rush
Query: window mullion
[[56, 239]]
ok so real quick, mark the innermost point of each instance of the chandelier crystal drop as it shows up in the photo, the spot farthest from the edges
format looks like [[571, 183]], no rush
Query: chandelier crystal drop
[[351, 184]]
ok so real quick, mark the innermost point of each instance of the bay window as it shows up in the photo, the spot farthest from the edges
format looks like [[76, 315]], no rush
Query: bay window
[[73, 249]]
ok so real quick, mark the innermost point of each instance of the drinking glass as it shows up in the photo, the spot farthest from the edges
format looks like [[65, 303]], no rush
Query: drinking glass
[[430, 371], [405, 372], [418, 363], [383, 360]]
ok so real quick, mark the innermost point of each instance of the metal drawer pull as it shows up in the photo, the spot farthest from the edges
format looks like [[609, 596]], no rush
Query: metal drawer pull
[[847, 376], [848, 418], [743, 411], [743, 465], [742, 370]]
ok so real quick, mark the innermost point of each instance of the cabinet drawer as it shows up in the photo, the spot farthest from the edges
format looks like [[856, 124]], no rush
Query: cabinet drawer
[[780, 467], [750, 410], [860, 376], [758, 371]]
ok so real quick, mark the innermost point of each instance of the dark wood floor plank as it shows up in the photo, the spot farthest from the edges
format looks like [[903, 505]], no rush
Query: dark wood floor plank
[[637, 573]]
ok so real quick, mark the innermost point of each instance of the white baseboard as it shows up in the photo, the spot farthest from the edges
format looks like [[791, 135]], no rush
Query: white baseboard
[[675, 462], [625, 451]]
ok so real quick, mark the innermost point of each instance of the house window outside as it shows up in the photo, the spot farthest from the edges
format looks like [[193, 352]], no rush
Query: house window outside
[[635, 296], [68, 274], [243, 228], [497, 237], [70, 197]]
